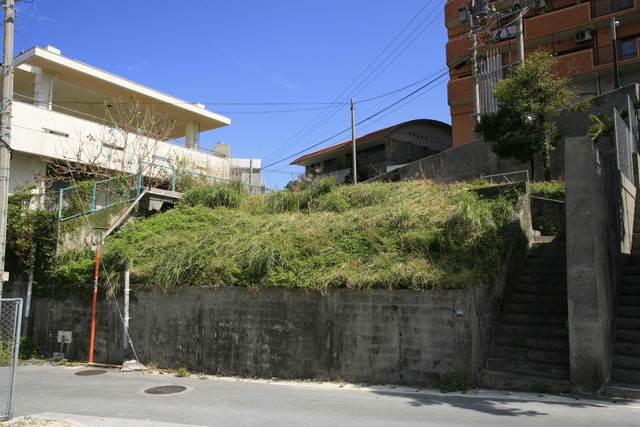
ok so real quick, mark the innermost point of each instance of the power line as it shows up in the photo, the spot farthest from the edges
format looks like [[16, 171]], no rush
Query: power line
[[360, 122], [322, 117]]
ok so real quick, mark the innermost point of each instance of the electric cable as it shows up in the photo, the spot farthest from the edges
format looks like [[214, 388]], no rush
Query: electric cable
[[322, 117], [358, 123]]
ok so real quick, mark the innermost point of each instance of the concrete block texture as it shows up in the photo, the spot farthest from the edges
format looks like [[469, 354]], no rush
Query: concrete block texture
[[378, 336]]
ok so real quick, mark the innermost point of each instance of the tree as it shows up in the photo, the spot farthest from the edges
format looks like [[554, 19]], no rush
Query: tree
[[130, 134], [530, 99]]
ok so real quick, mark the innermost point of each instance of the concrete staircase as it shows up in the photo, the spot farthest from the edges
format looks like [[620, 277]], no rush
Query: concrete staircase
[[625, 377], [531, 343]]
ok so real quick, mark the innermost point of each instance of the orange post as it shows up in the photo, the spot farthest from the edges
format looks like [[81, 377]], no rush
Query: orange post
[[95, 304]]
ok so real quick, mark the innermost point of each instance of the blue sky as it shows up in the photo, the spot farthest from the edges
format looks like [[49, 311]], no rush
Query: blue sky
[[301, 54]]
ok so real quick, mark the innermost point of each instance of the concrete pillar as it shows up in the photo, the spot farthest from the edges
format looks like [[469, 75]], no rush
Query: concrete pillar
[[594, 261], [43, 88], [193, 135]]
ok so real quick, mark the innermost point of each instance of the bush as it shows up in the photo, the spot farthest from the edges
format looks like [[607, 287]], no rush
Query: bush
[[221, 194]]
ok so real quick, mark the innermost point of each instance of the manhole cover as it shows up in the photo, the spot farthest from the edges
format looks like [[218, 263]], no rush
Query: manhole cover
[[165, 389], [91, 372]]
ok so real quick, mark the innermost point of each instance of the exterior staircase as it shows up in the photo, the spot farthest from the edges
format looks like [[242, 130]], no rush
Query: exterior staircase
[[625, 377], [531, 348]]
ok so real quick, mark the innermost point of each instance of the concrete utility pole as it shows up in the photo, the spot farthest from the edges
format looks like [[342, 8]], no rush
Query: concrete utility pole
[[5, 130], [353, 139], [474, 63], [616, 75]]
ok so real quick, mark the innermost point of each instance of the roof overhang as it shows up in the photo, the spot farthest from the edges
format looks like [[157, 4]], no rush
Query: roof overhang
[[103, 82]]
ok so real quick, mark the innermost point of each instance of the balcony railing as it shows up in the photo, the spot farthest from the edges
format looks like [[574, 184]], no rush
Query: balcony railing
[[605, 7], [627, 49]]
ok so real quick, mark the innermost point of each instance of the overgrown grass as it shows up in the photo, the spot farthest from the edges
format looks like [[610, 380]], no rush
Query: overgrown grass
[[550, 189], [412, 235]]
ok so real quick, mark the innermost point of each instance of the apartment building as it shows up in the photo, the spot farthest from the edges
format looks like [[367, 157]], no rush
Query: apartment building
[[63, 113], [578, 32]]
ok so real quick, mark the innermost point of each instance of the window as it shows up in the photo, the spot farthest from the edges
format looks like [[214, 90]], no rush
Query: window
[[628, 49], [407, 150]]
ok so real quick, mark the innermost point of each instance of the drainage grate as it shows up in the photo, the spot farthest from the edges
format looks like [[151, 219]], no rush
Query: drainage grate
[[165, 389], [91, 372]]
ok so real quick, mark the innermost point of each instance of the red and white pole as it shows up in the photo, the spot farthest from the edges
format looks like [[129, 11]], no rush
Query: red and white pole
[[95, 304]]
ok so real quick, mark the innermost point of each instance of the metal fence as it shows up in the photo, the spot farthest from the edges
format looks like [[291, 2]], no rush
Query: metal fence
[[507, 177], [10, 319], [605, 7], [93, 196]]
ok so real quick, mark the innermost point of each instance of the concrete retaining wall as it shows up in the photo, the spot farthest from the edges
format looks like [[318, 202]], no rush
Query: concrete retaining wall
[[599, 210], [379, 336]]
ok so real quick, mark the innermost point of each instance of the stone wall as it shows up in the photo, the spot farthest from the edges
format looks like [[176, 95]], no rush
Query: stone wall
[[378, 336]]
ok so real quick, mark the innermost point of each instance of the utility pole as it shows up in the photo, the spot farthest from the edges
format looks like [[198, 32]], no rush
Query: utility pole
[[520, 24], [474, 63], [353, 140], [5, 130], [616, 75]]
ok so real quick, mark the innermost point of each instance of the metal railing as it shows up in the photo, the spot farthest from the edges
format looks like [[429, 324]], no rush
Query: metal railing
[[89, 197], [605, 7], [501, 178]]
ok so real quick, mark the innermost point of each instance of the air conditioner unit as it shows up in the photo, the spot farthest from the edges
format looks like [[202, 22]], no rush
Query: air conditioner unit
[[538, 4], [584, 36]]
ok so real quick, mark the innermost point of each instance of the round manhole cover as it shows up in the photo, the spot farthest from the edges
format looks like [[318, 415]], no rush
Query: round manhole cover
[[165, 389], [91, 372]]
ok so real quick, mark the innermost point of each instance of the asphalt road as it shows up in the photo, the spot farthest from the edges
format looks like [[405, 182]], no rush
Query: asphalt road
[[119, 398]]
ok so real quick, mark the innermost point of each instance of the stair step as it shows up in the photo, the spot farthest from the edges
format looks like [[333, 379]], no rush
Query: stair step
[[628, 348], [628, 323], [630, 300], [541, 288], [631, 279], [630, 289], [534, 331], [522, 297], [533, 342], [547, 308], [542, 277], [626, 361], [529, 368], [497, 380], [623, 390], [552, 269], [531, 355], [551, 259], [628, 334], [626, 311], [535, 319], [632, 269], [627, 375]]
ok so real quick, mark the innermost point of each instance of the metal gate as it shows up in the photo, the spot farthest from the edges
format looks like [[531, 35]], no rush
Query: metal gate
[[10, 324]]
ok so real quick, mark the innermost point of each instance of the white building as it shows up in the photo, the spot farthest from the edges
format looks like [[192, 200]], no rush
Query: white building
[[61, 113]]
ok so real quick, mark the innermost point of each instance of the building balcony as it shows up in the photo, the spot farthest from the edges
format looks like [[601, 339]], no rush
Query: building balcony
[[452, 12], [459, 91], [556, 22], [40, 132], [607, 7]]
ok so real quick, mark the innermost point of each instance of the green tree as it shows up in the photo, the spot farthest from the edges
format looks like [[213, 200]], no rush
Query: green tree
[[530, 99], [31, 237]]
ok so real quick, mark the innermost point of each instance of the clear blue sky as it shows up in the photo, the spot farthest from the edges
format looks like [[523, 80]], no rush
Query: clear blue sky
[[301, 53]]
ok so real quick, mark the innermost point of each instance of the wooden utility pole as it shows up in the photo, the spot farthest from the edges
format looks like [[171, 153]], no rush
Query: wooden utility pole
[[5, 130]]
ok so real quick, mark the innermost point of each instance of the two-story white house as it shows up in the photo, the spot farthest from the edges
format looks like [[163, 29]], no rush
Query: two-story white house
[[61, 114]]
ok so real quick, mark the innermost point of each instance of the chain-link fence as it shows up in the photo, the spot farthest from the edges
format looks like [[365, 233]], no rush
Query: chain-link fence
[[10, 318]]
